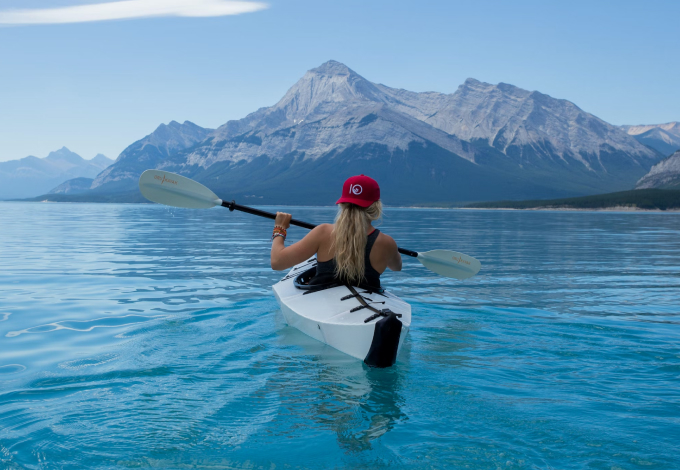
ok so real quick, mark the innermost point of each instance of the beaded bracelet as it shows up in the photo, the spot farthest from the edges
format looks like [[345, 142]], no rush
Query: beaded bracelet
[[279, 232]]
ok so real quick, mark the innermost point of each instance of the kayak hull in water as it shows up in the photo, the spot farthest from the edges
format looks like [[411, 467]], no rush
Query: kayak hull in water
[[372, 331]]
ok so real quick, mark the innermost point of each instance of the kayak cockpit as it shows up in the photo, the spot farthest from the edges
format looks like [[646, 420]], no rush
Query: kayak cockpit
[[302, 282]]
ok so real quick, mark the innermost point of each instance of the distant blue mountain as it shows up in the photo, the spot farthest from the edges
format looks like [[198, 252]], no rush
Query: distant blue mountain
[[32, 176], [73, 186], [662, 137]]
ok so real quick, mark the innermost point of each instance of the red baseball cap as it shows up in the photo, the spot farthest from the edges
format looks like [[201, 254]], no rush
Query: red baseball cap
[[360, 190]]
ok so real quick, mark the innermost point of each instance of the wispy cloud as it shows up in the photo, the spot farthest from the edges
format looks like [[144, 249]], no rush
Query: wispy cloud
[[129, 9]]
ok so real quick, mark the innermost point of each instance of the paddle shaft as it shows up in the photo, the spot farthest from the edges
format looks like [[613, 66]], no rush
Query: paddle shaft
[[232, 206]]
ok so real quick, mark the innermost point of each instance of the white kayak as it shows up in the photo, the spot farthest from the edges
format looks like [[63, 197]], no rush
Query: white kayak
[[366, 324]]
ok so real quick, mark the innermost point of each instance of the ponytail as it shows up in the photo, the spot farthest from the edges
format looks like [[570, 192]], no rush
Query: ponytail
[[349, 239]]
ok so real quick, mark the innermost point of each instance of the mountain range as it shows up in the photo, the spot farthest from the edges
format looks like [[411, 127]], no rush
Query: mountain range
[[482, 142], [33, 176], [662, 137]]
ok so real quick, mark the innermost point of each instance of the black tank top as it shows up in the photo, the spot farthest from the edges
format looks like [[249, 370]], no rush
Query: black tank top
[[325, 270]]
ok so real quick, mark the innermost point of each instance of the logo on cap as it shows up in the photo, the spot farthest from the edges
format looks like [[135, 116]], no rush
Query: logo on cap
[[355, 189]]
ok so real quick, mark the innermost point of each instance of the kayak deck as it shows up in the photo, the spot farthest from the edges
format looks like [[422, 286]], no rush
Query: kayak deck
[[336, 317]]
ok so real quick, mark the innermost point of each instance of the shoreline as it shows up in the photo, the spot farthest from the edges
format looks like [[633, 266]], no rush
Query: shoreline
[[542, 208]]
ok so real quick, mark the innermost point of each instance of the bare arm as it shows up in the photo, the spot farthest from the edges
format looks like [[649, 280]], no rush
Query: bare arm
[[284, 257], [394, 261]]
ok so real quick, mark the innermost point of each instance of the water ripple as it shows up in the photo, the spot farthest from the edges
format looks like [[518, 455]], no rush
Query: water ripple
[[85, 325]]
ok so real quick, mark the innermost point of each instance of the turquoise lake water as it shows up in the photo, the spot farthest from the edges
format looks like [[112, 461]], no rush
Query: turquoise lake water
[[144, 336]]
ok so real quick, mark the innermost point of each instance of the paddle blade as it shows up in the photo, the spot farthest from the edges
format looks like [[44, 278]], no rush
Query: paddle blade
[[450, 263], [175, 190]]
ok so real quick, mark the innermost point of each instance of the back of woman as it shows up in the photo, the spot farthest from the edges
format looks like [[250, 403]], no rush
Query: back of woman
[[351, 250]]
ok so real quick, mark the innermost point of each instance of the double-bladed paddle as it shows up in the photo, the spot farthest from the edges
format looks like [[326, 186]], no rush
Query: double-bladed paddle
[[178, 191]]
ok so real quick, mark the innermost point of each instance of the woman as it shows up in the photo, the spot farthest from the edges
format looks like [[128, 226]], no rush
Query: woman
[[350, 250]]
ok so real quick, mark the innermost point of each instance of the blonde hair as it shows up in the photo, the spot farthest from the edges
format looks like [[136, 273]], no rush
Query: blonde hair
[[349, 239]]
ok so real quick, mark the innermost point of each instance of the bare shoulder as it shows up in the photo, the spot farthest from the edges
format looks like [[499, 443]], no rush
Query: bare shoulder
[[321, 232], [386, 241], [323, 229]]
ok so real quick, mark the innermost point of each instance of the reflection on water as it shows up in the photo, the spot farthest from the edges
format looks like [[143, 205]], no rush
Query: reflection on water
[[357, 403], [361, 410], [138, 336]]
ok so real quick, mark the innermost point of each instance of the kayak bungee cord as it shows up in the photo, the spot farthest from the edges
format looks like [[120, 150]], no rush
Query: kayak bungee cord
[[378, 313]]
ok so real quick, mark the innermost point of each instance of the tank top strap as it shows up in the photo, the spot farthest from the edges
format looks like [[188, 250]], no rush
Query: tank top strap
[[371, 240], [371, 276]]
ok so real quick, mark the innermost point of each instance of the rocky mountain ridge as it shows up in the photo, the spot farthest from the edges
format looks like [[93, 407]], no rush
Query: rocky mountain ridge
[[511, 119], [148, 152], [663, 175]]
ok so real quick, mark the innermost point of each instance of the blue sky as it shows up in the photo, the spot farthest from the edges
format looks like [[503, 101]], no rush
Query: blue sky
[[99, 86]]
